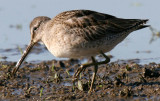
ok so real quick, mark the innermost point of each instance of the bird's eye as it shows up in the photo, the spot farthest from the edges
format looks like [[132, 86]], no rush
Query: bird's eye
[[35, 28]]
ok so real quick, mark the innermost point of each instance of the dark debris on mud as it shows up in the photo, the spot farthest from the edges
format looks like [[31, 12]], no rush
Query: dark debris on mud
[[52, 80]]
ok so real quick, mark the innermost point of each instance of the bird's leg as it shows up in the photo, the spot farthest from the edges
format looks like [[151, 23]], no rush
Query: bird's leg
[[84, 66], [79, 70], [105, 56], [94, 74]]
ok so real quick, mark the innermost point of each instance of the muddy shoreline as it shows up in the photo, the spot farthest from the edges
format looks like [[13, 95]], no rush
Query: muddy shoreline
[[52, 80]]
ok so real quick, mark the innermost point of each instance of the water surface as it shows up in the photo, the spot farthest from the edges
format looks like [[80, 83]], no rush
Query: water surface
[[16, 15]]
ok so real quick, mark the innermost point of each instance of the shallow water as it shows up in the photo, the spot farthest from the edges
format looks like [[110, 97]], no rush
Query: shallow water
[[15, 17]]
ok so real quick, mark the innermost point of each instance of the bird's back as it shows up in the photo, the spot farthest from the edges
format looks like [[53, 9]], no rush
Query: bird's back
[[94, 25]]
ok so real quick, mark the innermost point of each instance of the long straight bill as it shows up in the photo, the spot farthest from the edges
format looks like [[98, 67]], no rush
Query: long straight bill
[[29, 47]]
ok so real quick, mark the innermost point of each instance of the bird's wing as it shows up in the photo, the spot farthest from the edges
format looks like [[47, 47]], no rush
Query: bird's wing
[[93, 25]]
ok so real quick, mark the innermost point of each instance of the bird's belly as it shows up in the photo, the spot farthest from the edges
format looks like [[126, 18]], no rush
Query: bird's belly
[[69, 46], [65, 52], [82, 50], [74, 53]]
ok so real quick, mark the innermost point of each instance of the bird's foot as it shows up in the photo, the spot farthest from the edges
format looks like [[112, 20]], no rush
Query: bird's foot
[[84, 66]]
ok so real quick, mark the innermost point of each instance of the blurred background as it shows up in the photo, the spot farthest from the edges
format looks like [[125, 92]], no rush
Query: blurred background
[[16, 15]]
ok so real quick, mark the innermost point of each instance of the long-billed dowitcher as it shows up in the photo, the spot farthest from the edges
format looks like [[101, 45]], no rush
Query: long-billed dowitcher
[[80, 33]]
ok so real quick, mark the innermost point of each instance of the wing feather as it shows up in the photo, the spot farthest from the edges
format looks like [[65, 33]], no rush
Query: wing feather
[[94, 25]]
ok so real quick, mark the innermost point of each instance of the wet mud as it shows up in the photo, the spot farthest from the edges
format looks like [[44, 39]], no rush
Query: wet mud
[[52, 80]]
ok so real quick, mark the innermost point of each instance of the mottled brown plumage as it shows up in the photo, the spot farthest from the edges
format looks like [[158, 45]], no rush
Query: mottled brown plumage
[[80, 33], [94, 25]]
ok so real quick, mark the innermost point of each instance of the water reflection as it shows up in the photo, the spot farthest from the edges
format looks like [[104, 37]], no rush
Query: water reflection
[[155, 34]]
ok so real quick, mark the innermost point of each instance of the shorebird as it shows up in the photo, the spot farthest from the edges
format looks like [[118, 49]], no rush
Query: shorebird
[[79, 34]]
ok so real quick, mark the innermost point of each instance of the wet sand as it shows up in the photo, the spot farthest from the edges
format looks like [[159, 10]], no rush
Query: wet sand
[[52, 80]]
